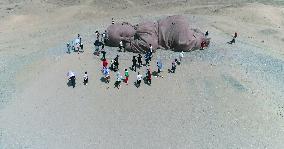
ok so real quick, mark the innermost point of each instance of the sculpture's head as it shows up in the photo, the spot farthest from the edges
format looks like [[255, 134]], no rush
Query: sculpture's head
[[119, 32]]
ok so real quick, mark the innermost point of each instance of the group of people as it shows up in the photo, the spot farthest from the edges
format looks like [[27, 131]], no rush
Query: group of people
[[76, 45], [114, 64]]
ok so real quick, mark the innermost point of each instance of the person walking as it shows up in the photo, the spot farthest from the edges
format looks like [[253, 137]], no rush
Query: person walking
[[139, 58], [134, 61], [202, 45], [126, 74], [86, 78]]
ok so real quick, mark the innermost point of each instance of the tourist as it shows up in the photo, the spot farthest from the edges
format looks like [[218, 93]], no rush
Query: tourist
[[86, 79], [181, 55], [126, 74], [97, 35], [139, 58], [103, 54], [150, 51], [174, 65], [149, 76], [68, 48], [203, 44], [139, 79], [116, 63], [147, 59], [118, 80], [106, 74], [134, 61], [105, 63], [159, 65], [112, 21], [235, 35], [97, 47], [121, 46], [206, 33]]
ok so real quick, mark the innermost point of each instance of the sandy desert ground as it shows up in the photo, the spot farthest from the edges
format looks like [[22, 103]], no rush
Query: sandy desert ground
[[226, 96]]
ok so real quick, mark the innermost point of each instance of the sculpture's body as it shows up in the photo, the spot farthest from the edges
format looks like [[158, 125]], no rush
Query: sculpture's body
[[172, 32]]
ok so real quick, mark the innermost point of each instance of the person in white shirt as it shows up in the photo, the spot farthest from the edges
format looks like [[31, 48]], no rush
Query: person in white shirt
[[86, 79], [150, 52], [181, 55], [121, 46], [118, 80], [112, 21], [139, 79]]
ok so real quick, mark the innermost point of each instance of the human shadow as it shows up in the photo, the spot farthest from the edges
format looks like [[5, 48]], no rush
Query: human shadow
[[104, 80]]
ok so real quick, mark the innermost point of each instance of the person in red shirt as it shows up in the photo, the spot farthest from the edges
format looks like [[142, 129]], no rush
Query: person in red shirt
[[105, 63], [202, 45], [149, 76]]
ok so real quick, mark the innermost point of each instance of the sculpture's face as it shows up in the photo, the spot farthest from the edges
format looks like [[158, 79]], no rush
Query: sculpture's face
[[120, 32]]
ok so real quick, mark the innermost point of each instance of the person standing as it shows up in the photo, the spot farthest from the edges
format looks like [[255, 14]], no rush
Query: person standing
[[106, 74], [118, 80], [105, 63], [112, 65], [181, 55], [97, 47], [73, 81], [86, 78], [103, 52], [139, 58], [206, 33], [134, 61], [147, 59], [104, 35], [126, 74], [235, 35], [174, 66], [116, 63], [121, 46], [203, 44], [112, 21], [149, 76], [68, 48], [139, 79], [159, 65], [150, 52]]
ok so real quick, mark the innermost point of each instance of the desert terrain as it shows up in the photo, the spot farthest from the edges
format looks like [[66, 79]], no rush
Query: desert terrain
[[226, 96]]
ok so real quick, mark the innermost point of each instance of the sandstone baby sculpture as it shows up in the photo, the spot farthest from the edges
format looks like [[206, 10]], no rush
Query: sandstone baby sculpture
[[172, 32]]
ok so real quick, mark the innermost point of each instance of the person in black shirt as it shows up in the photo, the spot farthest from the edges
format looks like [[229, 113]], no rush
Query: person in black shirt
[[134, 63], [139, 58]]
